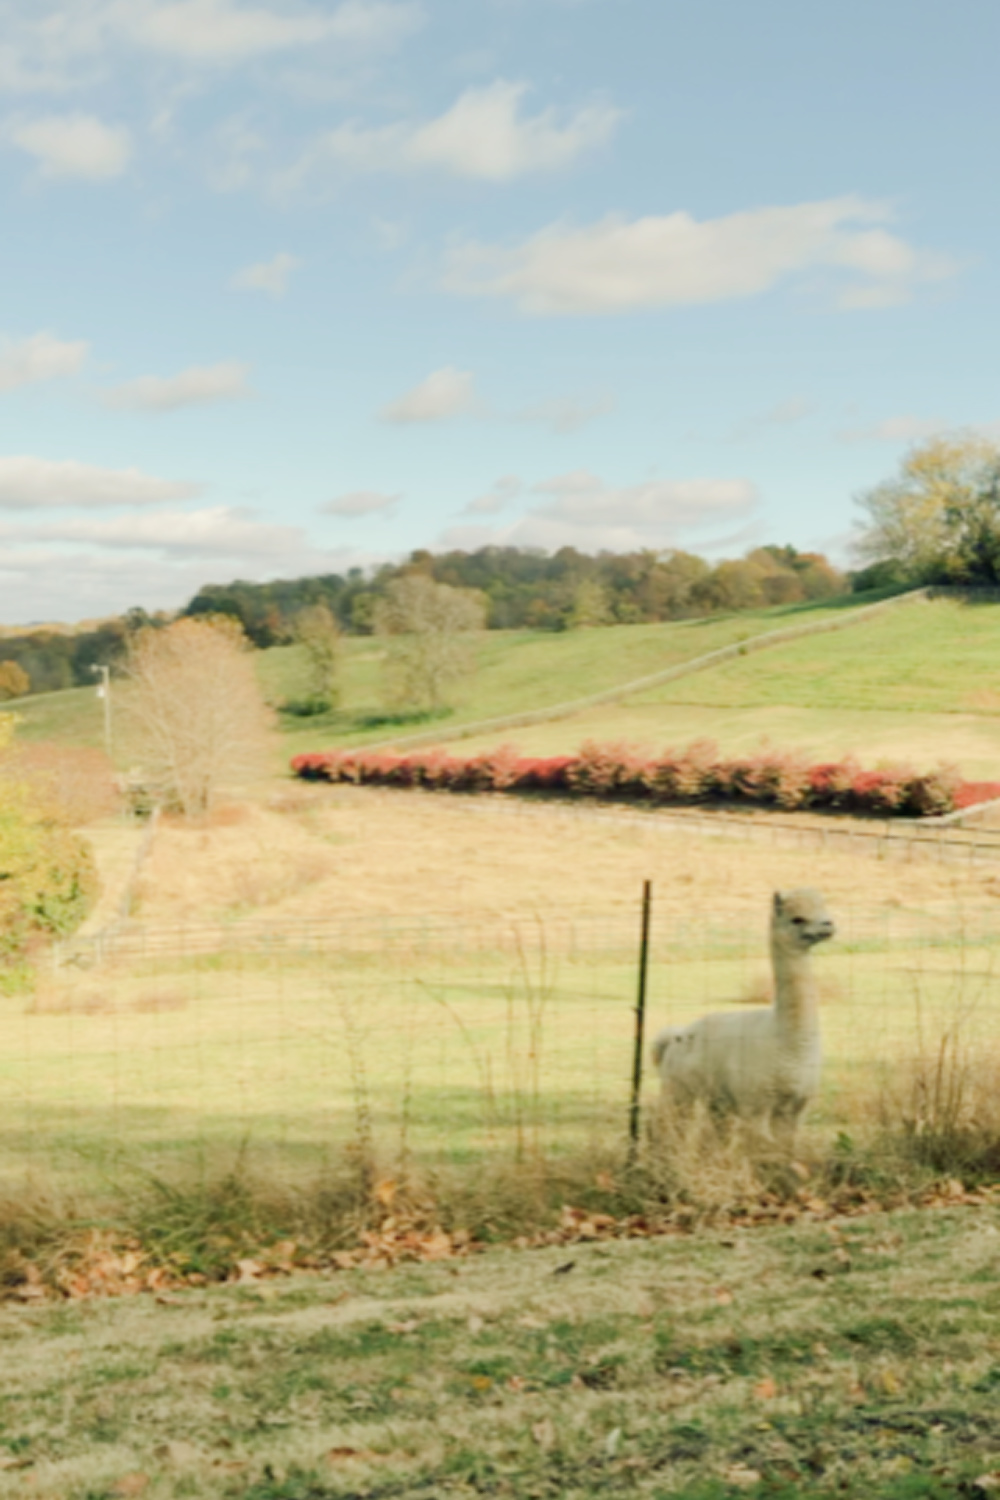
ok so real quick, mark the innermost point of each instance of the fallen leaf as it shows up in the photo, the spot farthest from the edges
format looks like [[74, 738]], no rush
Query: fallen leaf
[[482, 1382], [385, 1191], [890, 1382], [544, 1433], [516, 1383], [403, 1328], [249, 1270], [612, 1442], [766, 1389], [345, 1455], [723, 1296]]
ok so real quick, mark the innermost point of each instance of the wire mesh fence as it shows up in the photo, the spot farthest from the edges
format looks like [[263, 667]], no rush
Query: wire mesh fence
[[438, 1038]]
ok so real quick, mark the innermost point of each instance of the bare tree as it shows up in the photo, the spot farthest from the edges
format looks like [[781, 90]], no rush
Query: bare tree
[[317, 633], [195, 712], [429, 627]]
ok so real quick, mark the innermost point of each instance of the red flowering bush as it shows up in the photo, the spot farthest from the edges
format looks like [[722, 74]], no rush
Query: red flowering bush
[[771, 778]]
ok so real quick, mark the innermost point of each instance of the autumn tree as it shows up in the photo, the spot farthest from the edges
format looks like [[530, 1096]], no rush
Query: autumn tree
[[48, 879], [194, 711], [428, 629], [938, 520], [317, 633], [14, 680]]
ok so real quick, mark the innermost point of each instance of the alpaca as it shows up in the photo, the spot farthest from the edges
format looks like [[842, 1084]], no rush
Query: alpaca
[[763, 1065]]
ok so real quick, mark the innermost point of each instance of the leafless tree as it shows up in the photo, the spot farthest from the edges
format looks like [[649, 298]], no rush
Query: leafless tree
[[429, 628], [194, 710]]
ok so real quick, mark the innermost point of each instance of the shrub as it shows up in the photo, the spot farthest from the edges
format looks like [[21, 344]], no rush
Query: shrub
[[772, 778], [48, 880]]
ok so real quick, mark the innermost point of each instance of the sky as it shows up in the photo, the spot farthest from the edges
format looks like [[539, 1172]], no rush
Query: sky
[[295, 286]]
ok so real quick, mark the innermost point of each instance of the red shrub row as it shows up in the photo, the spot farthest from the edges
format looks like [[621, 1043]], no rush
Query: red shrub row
[[771, 778]]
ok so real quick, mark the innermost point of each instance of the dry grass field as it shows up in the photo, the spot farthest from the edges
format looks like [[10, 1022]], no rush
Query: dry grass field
[[453, 981]]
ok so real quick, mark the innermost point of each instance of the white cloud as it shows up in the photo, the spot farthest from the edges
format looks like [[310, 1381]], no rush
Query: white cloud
[[40, 357], [484, 135], [582, 510], [361, 503], [218, 529], [498, 497], [269, 275], [218, 31], [902, 429], [567, 413], [74, 146], [617, 265], [586, 500], [445, 393], [201, 385], [28, 483]]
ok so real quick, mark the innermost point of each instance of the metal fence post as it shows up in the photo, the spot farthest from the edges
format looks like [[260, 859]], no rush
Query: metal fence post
[[640, 1021]]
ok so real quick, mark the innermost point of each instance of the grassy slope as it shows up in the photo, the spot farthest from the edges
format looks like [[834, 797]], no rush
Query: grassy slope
[[73, 717], [919, 683], [519, 670], [759, 1363]]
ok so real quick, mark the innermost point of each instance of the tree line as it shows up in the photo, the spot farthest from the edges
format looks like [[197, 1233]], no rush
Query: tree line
[[525, 589]]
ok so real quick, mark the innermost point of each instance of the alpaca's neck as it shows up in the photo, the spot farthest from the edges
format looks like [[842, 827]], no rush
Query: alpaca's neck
[[794, 991]]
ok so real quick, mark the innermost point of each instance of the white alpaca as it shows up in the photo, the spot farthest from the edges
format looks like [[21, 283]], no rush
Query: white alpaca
[[759, 1065]]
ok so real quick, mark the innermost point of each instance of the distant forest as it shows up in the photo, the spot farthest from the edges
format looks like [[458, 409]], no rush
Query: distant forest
[[524, 589]]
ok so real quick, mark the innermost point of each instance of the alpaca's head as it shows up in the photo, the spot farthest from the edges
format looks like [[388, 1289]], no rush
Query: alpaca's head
[[800, 919]]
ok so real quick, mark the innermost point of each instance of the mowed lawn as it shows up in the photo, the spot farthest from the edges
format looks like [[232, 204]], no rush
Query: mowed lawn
[[850, 1358], [458, 978]]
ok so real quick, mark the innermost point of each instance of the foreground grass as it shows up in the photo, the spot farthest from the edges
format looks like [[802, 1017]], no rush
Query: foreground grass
[[859, 1357]]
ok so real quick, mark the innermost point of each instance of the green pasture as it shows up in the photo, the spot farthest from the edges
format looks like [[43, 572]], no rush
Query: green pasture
[[918, 684], [74, 716], [518, 671], [445, 1044]]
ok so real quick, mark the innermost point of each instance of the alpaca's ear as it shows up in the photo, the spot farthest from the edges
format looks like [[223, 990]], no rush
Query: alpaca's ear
[[779, 903]]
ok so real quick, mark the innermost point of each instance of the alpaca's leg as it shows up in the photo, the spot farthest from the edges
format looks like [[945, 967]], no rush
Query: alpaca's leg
[[784, 1124]]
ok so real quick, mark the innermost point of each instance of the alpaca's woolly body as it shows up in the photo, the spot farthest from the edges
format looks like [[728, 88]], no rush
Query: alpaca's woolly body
[[761, 1065]]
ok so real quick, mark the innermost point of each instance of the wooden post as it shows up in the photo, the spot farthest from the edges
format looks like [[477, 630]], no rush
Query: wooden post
[[640, 1021]]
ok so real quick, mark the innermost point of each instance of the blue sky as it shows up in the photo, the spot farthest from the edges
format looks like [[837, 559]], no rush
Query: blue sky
[[291, 287]]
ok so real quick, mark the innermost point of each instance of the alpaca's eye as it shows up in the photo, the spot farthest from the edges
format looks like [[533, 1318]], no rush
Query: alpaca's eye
[[798, 921]]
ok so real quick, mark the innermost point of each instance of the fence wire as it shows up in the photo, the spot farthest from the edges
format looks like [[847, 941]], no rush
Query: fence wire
[[438, 1037]]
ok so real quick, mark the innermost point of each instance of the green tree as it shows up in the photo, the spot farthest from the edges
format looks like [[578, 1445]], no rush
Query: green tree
[[317, 632], [48, 880], [428, 628], [938, 520]]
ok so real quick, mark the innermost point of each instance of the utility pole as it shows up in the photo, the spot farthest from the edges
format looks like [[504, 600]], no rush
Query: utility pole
[[104, 691]]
